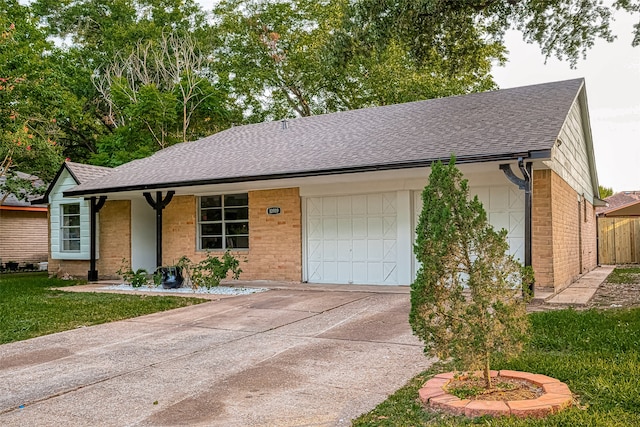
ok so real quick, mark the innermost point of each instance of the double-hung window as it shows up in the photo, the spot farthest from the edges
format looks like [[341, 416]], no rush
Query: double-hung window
[[70, 227], [224, 221]]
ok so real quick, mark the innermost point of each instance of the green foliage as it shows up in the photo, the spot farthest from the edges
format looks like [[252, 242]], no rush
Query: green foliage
[[29, 101], [594, 352], [136, 278], [29, 307], [604, 192], [300, 58], [564, 29], [624, 275], [211, 270], [466, 301]]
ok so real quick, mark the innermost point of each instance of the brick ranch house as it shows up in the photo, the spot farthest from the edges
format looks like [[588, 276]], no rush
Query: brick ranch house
[[334, 198], [23, 228]]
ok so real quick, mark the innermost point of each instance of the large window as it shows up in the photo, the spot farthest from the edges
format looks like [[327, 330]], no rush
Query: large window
[[70, 228], [224, 222]]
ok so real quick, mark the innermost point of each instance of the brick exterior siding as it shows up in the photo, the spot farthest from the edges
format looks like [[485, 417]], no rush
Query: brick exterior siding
[[275, 241], [114, 244], [23, 236], [561, 220], [541, 229]]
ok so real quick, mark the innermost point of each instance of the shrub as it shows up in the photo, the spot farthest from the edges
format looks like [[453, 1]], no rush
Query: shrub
[[136, 278], [211, 270]]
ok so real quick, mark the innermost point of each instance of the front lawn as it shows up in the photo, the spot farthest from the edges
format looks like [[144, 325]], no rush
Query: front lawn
[[596, 353], [30, 308]]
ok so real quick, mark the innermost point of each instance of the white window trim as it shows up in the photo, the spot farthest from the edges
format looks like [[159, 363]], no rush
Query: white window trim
[[223, 222], [63, 227]]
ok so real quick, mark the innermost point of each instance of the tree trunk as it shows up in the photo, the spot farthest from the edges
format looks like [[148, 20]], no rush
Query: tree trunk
[[487, 372]]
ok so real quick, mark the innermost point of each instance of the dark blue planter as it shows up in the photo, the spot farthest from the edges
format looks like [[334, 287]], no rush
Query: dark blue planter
[[171, 277]]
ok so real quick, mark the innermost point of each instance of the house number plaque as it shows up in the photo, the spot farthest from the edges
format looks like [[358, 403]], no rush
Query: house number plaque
[[275, 210]]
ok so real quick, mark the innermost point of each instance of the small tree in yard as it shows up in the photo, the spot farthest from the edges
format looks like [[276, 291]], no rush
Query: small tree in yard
[[466, 302]]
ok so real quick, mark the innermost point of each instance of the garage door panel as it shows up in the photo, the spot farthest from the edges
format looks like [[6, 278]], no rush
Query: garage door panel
[[315, 271], [358, 205], [359, 252], [352, 238], [344, 227], [390, 250], [315, 250], [344, 272], [390, 228], [374, 228], [329, 228], [374, 204], [359, 227], [343, 205], [390, 272], [329, 250], [375, 272], [359, 271], [375, 250], [330, 271], [329, 205]]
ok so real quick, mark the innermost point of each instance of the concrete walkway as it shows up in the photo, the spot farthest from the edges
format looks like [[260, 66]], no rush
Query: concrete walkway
[[580, 292], [286, 357]]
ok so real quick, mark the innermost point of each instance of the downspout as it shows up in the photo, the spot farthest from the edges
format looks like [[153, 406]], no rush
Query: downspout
[[158, 205], [526, 185], [95, 204]]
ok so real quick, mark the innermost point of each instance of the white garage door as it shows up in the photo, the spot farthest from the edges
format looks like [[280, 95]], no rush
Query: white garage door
[[352, 239]]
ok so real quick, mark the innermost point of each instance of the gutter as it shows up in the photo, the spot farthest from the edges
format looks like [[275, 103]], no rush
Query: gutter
[[303, 174]]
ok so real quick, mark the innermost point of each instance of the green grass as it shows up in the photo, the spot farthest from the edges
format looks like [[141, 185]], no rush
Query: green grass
[[624, 275], [596, 353], [29, 308]]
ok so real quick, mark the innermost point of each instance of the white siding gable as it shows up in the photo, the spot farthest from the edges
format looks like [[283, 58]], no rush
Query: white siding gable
[[56, 200]]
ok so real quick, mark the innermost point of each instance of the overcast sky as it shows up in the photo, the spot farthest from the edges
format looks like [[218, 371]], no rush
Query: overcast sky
[[612, 76]]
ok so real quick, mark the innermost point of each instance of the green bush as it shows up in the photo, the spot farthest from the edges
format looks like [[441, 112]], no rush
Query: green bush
[[136, 278], [211, 270]]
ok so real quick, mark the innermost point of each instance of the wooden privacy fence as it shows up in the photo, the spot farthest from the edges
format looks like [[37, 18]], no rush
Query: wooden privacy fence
[[619, 240]]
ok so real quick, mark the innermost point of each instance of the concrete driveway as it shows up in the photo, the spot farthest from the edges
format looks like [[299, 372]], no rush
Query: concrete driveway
[[286, 357]]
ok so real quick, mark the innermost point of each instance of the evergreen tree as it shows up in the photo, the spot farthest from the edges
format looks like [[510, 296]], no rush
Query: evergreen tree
[[466, 302]]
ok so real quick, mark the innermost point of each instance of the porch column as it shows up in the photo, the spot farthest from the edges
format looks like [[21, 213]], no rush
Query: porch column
[[158, 205], [95, 204]]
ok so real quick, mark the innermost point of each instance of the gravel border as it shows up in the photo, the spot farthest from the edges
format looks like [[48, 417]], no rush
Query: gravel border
[[218, 290]]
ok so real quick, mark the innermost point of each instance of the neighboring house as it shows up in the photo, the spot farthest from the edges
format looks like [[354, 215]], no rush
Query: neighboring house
[[619, 229], [622, 204], [23, 228], [335, 198]]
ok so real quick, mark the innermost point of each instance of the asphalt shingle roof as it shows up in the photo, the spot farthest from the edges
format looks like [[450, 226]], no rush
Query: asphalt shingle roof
[[619, 200], [12, 200], [85, 173], [477, 126]]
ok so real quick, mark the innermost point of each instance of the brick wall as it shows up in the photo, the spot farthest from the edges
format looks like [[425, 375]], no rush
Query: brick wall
[[541, 229], [115, 237], [566, 248], [23, 236], [589, 238], [563, 229], [275, 241], [114, 244]]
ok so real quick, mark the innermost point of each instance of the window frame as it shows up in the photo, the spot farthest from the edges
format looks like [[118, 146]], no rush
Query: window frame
[[223, 222], [63, 227]]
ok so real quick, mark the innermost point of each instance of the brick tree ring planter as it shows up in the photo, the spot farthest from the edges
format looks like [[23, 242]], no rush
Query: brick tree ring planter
[[556, 397]]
